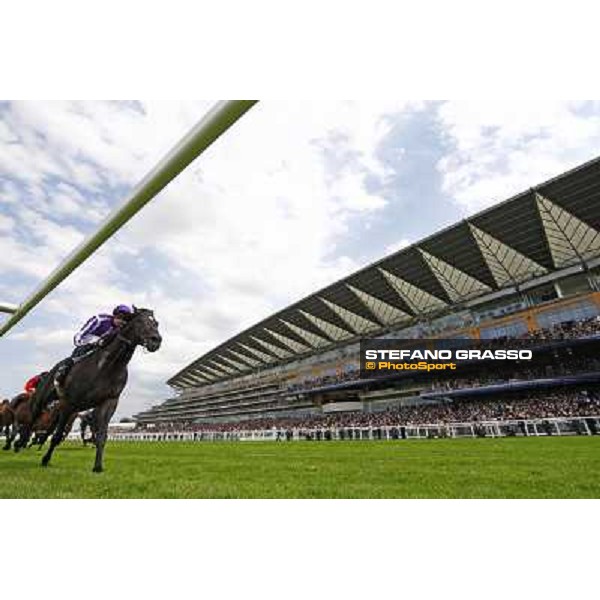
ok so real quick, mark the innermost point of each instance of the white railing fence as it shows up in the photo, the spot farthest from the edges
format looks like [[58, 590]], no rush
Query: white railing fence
[[556, 426]]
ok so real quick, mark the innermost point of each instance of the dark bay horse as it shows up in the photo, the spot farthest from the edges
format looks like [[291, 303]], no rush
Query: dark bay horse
[[44, 426], [24, 422], [6, 421], [97, 380]]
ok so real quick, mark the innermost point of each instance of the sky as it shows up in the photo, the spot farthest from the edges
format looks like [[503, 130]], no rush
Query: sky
[[293, 197]]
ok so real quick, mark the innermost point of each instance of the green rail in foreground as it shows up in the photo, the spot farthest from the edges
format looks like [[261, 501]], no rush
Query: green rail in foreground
[[502, 468]]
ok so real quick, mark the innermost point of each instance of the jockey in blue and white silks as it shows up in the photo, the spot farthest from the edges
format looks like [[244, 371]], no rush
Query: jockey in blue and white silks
[[87, 338]]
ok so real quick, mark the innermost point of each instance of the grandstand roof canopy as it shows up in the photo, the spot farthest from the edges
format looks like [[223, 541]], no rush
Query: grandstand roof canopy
[[544, 229]]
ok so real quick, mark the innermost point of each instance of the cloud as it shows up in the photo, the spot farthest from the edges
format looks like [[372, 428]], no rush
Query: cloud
[[500, 148], [6, 223], [58, 337]]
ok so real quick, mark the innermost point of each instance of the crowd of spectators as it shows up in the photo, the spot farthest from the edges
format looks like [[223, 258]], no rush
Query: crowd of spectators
[[567, 330], [561, 331], [349, 374], [558, 368], [539, 405], [534, 406]]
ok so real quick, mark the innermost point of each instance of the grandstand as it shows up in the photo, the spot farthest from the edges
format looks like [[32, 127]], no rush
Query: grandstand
[[528, 267]]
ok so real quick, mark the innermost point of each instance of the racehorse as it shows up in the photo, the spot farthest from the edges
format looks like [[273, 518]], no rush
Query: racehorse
[[6, 421], [88, 419], [44, 426], [24, 422], [97, 380]]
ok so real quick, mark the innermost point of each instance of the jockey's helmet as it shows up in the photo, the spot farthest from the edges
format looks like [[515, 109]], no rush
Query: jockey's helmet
[[122, 309]]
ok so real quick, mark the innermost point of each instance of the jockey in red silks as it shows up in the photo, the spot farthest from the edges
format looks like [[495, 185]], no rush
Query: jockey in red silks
[[33, 382], [91, 335]]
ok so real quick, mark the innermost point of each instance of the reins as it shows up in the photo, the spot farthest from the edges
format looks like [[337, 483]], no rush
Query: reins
[[122, 338]]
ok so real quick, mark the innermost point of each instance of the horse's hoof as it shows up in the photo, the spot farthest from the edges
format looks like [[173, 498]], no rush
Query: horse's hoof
[[44, 464], [97, 470]]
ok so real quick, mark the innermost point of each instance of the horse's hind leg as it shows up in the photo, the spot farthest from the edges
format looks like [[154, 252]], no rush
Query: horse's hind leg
[[41, 438], [25, 432], [56, 437], [103, 416], [17, 438]]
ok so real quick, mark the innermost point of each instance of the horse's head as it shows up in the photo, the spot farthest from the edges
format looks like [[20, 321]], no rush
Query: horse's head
[[142, 329]]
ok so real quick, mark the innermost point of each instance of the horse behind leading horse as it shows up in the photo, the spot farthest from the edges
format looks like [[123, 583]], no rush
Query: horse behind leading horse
[[6, 421], [43, 428], [24, 423]]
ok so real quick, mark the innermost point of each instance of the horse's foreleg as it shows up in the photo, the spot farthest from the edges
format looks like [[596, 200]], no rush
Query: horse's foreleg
[[103, 416], [41, 440], [57, 437], [16, 437], [11, 438], [7, 432], [42, 437]]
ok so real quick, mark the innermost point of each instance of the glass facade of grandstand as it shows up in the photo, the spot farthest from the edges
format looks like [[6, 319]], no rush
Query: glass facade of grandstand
[[526, 268]]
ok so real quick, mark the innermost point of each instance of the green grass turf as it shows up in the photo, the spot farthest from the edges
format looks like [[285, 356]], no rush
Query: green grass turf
[[462, 468]]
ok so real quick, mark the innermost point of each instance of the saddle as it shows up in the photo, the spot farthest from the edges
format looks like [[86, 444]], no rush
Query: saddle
[[83, 352]]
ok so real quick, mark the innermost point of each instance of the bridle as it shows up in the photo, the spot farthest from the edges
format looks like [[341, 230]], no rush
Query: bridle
[[122, 338]]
